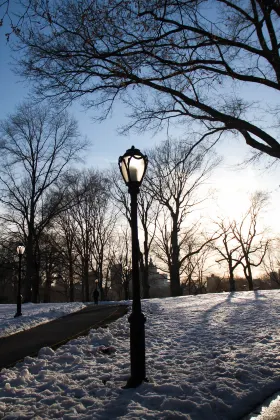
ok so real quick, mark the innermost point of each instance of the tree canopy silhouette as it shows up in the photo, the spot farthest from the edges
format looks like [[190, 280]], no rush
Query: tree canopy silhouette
[[185, 59]]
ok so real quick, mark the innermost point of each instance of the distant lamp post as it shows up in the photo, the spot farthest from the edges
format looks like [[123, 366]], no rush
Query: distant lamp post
[[126, 283], [95, 293], [133, 165], [20, 251]]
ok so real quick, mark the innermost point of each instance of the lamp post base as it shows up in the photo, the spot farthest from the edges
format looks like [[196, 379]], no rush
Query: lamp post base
[[134, 382], [17, 314]]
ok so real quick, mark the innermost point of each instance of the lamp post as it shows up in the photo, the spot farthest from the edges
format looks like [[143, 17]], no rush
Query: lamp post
[[133, 165], [20, 251], [126, 283], [96, 293]]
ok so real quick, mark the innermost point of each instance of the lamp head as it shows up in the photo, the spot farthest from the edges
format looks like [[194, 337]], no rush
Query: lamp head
[[133, 165], [20, 249]]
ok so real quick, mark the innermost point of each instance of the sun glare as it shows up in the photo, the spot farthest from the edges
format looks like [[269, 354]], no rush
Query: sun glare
[[233, 204]]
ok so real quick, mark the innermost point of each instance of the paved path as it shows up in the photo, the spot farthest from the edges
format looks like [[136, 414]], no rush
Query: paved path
[[57, 332], [268, 410]]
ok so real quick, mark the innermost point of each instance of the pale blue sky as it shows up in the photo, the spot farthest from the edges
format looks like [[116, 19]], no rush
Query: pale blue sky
[[107, 145]]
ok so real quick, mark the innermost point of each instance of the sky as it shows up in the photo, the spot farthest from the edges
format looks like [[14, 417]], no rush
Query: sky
[[232, 185]]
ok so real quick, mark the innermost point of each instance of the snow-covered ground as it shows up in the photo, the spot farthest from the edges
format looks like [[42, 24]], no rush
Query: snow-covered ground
[[34, 314], [213, 356]]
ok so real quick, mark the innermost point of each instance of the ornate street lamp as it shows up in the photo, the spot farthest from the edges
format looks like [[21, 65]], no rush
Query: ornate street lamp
[[96, 283], [20, 251], [126, 283], [133, 165]]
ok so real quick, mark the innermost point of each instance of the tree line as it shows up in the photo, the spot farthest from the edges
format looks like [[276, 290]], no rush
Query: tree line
[[74, 222], [191, 62]]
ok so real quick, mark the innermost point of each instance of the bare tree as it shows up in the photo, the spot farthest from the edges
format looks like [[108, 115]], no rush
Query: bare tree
[[51, 264], [88, 191], [176, 173], [9, 265], [149, 211], [271, 262], [13, 15], [253, 242], [63, 228], [228, 250], [120, 264], [193, 61], [196, 264], [37, 144], [162, 242], [89, 225], [103, 225]]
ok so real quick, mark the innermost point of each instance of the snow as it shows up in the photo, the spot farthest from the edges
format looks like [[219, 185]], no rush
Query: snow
[[213, 356], [270, 410], [34, 314]]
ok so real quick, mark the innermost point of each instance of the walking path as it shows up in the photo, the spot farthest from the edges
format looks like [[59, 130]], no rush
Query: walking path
[[57, 332], [268, 410]]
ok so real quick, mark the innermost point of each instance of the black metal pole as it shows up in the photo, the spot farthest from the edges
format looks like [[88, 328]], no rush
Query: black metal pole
[[136, 319], [18, 313]]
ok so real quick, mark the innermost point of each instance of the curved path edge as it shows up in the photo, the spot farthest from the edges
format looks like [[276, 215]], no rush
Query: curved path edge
[[55, 333]]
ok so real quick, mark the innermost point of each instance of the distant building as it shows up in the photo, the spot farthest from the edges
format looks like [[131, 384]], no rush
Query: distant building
[[159, 283], [214, 284]]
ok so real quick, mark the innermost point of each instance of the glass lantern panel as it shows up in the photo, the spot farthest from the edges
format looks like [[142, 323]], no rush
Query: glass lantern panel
[[136, 168], [124, 169]]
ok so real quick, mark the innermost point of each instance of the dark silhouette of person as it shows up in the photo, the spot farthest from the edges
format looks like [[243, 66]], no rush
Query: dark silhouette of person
[[95, 296]]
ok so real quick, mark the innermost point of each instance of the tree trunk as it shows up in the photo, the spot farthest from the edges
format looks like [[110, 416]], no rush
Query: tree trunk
[[47, 291], [30, 270], [189, 283], [71, 279], [87, 298], [248, 275], [175, 286], [35, 290], [106, 288], [83, 284], [126, 289], [231, 280], [100, 279], [145, 279], [250, 282], [36, 280]]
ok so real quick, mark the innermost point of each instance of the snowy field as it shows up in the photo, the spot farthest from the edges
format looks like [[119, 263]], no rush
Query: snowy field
[[32, 315], [213, 356]]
